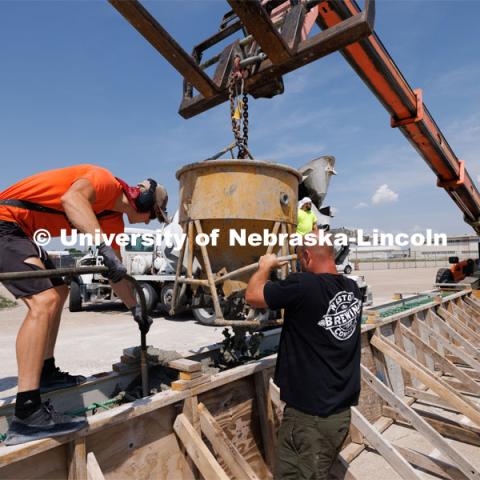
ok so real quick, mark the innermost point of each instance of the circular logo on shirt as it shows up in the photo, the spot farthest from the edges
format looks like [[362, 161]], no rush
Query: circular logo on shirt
[[342, 315]]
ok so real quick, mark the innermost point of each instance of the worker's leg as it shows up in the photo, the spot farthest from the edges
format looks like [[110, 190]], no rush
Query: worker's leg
[[34, 420], [62, 291], [330, 435], [32, 338], [287, 456], [308, 445]]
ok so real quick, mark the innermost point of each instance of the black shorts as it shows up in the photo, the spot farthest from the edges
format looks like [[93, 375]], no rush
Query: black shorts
[[15, 248]]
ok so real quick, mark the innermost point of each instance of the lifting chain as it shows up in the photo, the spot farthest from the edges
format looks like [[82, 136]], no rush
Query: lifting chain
[[239, 107]]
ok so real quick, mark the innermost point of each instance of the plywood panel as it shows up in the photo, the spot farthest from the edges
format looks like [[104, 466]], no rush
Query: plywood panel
[[143, 448], [233, 407], [48, 465], [370, 405]]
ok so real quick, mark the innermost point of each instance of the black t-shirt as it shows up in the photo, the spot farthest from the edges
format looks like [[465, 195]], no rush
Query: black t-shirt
[[318, 365]]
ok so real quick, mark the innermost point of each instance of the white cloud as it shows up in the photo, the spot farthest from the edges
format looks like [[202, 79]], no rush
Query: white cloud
[[361, 205], [384, 194], [334, 211]]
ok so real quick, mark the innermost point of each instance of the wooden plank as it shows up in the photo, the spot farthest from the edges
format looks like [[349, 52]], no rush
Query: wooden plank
[[159, 38], [77, 465], [472, 300], [189, 375], [274, 393], [446, 427], [185, 365], [459, 326], [94, 472], [464, 317], [383, 446], [462, 387], [446, 365], [447, 345], [471, 311], [234, 408], [355, 435], [472, 303], [416, 330], [444, 390], [429, 398], [398, 336], [431, 465], [224, 447], [266, 417], [197, 450], [420, 424], [353, 450], [256, 20], [475, 374], [179, 385], [190, 410], [452, 333]]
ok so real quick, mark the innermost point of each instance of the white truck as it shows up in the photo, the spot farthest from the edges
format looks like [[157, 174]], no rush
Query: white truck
[[154, 267]]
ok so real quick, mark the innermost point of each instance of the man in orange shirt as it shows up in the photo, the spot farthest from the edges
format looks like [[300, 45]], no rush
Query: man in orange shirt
[[88, 198]]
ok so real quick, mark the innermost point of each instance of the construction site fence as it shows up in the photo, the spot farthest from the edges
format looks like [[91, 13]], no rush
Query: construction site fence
[[433, 261]]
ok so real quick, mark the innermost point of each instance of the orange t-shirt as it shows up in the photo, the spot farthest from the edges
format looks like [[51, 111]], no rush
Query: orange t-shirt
[[47, 189]]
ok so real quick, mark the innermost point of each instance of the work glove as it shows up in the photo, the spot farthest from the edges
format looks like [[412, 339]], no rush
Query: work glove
[[116, 270], [144, 321]]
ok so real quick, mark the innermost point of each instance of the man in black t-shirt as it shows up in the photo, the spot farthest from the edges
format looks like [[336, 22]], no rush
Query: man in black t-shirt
[[318, 365]]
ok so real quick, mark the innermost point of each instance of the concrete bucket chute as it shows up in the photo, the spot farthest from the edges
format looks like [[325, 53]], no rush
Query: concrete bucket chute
[[316, 176]]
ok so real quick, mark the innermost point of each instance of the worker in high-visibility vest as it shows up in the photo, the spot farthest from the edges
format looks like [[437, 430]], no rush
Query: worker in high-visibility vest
[[306, 219]]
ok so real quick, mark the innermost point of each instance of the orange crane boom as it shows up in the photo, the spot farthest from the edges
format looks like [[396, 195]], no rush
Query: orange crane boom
[[373, 64]]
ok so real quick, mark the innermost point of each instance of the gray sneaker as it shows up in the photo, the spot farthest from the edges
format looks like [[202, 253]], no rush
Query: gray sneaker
[[43, 423]]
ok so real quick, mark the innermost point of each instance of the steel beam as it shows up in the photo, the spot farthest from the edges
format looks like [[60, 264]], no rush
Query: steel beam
[[257, 22], [159, 38]]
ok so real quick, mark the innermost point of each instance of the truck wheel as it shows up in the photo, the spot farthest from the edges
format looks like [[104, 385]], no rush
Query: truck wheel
[[151, 296], [166, 295], [206, 316], [347, 270], [75, 298], [444, 275]]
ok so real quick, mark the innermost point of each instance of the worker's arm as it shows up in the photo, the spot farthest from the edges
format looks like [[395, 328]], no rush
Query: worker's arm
[[123, 289], [77, 203], [254, 293]]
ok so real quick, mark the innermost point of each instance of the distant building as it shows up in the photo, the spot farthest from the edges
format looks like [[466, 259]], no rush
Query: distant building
[[377, 252], [462, 246]]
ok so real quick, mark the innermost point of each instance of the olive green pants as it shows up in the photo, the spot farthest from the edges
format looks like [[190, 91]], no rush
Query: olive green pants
[[308, 445]]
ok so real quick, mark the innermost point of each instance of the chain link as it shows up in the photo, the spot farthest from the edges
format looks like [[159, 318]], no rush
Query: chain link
[[241, 138]]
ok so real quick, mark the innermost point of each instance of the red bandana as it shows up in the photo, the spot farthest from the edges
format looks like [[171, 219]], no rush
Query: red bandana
[[132, 193]]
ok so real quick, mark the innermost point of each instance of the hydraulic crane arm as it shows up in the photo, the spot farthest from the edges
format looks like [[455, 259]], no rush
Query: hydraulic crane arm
[[374, 65]]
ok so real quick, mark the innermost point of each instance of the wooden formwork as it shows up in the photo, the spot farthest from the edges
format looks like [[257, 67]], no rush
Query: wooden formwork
[[425, 357]]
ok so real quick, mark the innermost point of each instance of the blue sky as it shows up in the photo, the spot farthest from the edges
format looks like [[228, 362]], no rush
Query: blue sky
[[79, 85]]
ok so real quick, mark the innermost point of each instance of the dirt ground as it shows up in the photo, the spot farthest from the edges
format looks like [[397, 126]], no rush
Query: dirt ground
[[91, 341]]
